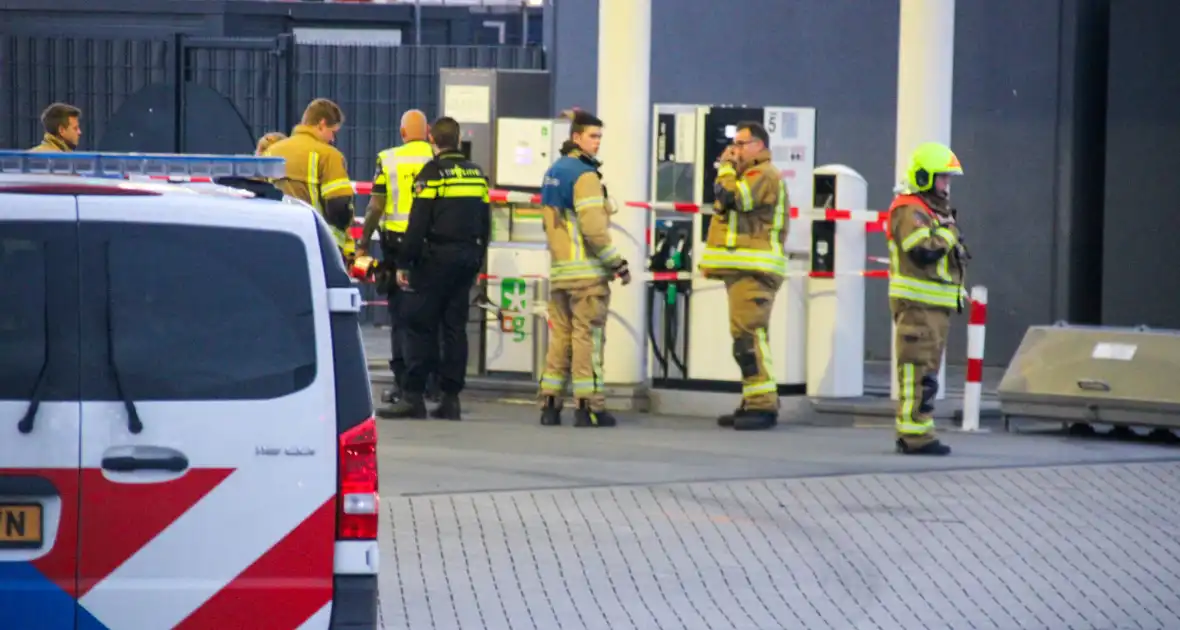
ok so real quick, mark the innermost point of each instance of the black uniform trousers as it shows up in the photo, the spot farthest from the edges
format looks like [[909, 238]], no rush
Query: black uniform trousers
[[437, 305], [390, 246]]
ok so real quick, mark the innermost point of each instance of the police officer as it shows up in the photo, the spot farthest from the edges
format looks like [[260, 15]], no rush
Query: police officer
[[927, 260], [444, 247], [583, 261], [744, 248], [63, 132], [317, 172], [389, 210]]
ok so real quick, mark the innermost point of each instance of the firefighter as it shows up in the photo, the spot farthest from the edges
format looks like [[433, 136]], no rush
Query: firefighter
[[262, 187], [441, 254], [317, 172], [62, 129], [744, 248], [926, 264], [389, 211], [267, 140], [583, 261]]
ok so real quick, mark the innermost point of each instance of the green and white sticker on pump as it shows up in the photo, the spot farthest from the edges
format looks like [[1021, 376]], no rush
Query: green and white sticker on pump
[[516, 284]]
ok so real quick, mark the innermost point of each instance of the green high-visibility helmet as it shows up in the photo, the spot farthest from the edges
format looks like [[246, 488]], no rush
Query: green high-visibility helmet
[[928, 160]]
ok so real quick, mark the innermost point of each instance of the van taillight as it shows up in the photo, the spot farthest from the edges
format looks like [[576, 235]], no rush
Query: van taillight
[[356, 498]]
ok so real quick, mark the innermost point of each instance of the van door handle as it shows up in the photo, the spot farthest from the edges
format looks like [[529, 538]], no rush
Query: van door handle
[[174, 463], [132, 458]]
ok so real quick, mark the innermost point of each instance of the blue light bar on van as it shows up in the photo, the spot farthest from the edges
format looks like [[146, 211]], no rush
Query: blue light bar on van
[[151, 164]]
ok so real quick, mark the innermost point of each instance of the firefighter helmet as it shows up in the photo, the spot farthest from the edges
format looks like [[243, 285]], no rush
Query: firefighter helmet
[[928, 160]]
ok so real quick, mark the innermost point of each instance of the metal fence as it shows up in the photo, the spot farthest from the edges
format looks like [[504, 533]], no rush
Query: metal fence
[[217, 95]]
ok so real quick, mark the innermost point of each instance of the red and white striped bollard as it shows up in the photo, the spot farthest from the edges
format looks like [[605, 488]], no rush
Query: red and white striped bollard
[[973, 391]]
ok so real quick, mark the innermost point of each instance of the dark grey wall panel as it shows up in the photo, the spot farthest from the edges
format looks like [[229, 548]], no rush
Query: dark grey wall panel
[[1004, 130], [841, 58], [575, 50], [1141, 279]]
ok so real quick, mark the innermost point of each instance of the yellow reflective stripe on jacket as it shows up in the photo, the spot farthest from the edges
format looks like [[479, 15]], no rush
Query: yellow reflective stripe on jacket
[[457, 181], [577, 270], [579, 266], [609, 255], [947, 235], [930, 292], [744, 260], [577, 245], [313, 179], [942, 268], [401, 166], [588, 202], [916, 237], [335, 185], [448, 190], [731, 229], [745, 196], [780, 220]]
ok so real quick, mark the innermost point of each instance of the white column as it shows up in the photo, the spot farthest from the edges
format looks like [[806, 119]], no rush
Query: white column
[[624, 105], [925, 81]]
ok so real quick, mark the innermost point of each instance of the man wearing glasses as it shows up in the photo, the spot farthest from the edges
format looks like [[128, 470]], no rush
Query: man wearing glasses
[[744, 248]]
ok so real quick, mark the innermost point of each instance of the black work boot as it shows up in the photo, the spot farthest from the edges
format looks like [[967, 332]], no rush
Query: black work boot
[[433, 389], [726, 421], [411, 406], [933, 447], [551, 412], [448, 408], [755, 419], [584, 417], [390, 396]]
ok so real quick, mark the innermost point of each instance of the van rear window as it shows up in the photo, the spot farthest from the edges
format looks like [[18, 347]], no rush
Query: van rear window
[[38, 310], [195, 313]]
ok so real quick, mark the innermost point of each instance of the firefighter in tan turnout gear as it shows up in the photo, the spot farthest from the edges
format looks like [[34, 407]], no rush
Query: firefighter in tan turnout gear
[[926, 264], [582, 264], [62, 129], [744, 248], [317, 172]]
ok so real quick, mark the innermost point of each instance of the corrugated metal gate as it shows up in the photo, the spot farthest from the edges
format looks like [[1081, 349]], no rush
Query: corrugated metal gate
[[217, 95]]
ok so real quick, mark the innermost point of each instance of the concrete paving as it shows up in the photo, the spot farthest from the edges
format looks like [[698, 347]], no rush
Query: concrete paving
[[672, 523]]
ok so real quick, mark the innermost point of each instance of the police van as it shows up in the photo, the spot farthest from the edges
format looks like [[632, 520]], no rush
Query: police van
[[186, 428]]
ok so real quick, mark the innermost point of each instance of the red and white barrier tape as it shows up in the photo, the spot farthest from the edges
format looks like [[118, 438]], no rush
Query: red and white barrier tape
[[672, 276], [973, 390], [873, 220]]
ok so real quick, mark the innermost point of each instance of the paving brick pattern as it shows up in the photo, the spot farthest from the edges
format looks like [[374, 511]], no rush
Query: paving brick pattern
[[1086, 547]]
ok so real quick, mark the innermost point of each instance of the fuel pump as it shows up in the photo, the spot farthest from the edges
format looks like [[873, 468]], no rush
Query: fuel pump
[[668, 291], [686, 142]]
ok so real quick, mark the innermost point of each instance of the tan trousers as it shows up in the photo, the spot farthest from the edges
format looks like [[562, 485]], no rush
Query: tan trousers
[[921, 339], [577, 335], [750, 302]]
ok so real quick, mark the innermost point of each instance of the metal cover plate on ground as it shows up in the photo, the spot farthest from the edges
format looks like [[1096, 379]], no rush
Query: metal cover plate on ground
[[1095, 374]]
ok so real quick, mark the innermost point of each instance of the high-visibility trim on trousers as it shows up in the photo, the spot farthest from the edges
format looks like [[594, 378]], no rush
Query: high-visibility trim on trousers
[[908, 395]]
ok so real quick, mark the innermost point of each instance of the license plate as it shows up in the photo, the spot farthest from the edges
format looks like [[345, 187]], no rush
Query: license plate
[[20, 526]]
